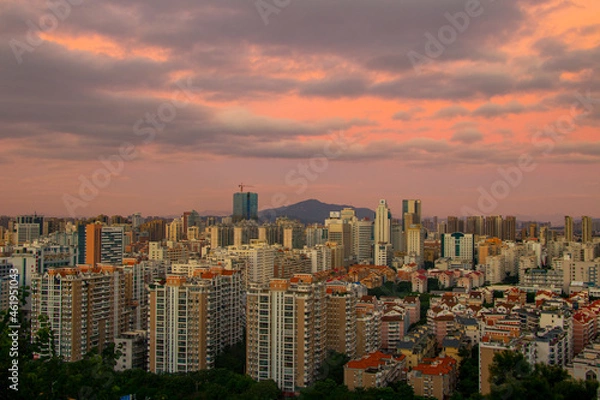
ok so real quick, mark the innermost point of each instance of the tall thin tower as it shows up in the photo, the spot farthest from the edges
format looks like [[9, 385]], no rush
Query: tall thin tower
[[383, 220], [568, 228], [586, 229]]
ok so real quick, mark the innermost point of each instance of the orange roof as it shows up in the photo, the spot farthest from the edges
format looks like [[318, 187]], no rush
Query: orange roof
[[436, 366], [582, 317], [373, 360]]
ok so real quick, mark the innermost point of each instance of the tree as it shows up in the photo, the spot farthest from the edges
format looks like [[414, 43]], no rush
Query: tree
[[233, 358], [333, 367], [512, 377]]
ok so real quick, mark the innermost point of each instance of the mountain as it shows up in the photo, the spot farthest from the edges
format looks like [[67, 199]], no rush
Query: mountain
[[310, 211]]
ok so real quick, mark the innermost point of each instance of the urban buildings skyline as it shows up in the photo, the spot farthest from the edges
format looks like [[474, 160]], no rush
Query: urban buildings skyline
[[173, 295]]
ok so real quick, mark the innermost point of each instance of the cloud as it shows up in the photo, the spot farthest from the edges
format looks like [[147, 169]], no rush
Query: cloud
[[451, 112], [467, 136], [490, 110], [407, 115], [73, 89]]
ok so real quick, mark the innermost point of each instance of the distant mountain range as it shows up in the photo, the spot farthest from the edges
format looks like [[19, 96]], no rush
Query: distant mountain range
[[311, 211]]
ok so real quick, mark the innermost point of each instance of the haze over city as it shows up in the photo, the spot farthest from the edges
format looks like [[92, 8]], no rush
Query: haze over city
[[360, 88]]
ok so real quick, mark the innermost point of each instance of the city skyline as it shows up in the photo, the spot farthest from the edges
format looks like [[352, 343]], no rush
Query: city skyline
[[556, 219], [183, 101]]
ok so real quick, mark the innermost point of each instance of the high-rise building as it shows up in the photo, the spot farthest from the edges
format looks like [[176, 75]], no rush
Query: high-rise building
[[586, 229], [174, 230], [415, 242], [568, 228], [453, 224], [244, 232], [293, 235], [397, 236], [259, 258], [245, 206], [368, 326], [272, 234], [533, 230], [286, 335], [476, 225], [93, 243], [28, 228], [136, 220], [341, 324], [459, 246], [382, 230], [155, 228], [340, 231], [509, 228], [221, 235], [192, 319], [493, 226], [84, 306], [412, 207], [81, 257], [111, 245], [383, 218], [363, 240]]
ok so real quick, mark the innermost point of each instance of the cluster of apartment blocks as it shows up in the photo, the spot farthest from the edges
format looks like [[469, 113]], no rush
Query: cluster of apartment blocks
[[553, 330], [294, 274]]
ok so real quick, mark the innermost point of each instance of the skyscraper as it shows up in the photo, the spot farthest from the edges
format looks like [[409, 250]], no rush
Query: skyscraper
[[493, 226], [383, 221], [340, 231], [85, 307], [93, 243], [286, 331], [245, 206], [192, 319], [509, 228], [453, 224], [568, 228], [363, 240], [111, 242], [103, 244], [415, 242], [412, 207], [29, 228], [476, 225], [586, 229]]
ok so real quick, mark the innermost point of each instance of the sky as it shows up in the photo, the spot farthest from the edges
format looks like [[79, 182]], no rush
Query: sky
[[474, 107]]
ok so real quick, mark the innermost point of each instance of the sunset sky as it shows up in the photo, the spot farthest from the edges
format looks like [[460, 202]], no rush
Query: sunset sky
[[269, 91]]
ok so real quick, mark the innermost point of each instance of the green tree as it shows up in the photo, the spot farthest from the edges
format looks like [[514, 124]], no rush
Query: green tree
[[233, 358], [512, 377], [333, 367]]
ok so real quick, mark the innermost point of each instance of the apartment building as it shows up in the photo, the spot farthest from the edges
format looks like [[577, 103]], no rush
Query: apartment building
[[434, 377], [374, 370], [368, 325], [341, 326], [192, 319], [85, 307], [286, 331]]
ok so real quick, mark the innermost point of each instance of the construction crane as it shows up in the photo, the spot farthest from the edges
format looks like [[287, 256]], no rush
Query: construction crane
[[242, 186]]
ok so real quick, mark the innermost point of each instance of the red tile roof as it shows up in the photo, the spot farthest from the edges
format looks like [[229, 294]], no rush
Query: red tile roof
[[373, 360], [436, 366]]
